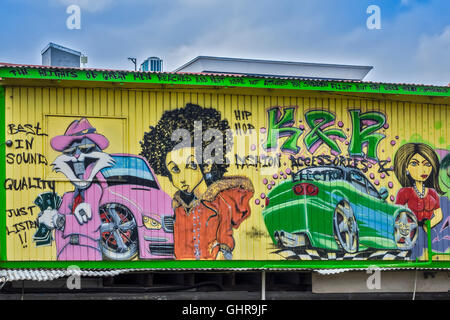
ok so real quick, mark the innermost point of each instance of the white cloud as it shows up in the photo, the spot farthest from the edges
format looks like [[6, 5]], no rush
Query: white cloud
[[433, 55]]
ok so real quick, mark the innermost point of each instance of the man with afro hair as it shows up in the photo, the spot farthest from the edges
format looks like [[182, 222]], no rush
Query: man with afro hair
[[207, 205]]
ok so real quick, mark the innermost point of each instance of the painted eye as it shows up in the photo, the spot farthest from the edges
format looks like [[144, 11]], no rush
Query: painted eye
[[427, 164], [192, 165], [70, 151], [86, 148], [175, 169]]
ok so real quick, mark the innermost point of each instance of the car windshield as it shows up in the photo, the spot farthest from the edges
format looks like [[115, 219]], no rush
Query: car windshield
[[129, 170], [319, 174], [358, 181], [363, 185]]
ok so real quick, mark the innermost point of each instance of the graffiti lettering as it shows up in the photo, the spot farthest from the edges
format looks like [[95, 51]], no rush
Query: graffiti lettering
[[21, 226], [314, 83], [281, 126], [26, 128], [24, 211], [237, 81], [142, 76], [328, 160], [174, 77], [19, 144], [118, 75], [202, 79], [391, 87], [275, 82], [91, 74], [27, 184], [243, 127], [216, 79], [318, 120], [19, 71], [382, 169], [325, 175], [26, 158], [257, 161], [364, 132], [410, 88], [431, 89], [340, 86], [295, 83], [57, 73], [242, 115], [364, 127]]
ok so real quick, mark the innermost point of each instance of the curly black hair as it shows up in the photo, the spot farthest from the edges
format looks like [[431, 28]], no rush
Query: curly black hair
[[157, 143]]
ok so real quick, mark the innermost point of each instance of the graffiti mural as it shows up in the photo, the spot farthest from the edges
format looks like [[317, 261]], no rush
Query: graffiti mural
[[354, 215], [357, 219], [225, 178], [207, 205], [417, 169], [108, 217]]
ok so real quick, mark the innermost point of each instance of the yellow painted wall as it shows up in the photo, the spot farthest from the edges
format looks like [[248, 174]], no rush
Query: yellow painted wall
[[124, 115]]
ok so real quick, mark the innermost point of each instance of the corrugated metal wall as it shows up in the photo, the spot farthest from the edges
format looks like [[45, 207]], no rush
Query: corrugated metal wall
[[124, 115]]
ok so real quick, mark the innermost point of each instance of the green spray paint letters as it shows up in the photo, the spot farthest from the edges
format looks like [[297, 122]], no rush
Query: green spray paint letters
[[364, 127], [318, 120], [281, 126]]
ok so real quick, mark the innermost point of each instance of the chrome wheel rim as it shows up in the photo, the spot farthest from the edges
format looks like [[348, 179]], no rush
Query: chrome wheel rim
[[119, 239], [405, 230], [346, 228]]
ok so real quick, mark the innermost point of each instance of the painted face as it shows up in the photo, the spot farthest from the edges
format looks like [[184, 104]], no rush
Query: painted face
[[419, 168], [81, 161], [184, 169]]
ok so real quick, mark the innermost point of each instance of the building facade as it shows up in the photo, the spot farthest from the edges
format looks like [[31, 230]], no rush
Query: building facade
[[166, 170]]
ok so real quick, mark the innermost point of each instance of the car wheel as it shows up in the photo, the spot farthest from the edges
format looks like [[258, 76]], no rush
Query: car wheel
[[405, 230], [345, 228], [118, 232]]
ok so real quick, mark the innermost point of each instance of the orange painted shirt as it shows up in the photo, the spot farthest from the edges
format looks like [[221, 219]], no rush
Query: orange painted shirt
[[206, 224]]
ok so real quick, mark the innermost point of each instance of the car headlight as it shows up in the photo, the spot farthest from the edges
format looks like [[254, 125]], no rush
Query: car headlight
[[150, 223]]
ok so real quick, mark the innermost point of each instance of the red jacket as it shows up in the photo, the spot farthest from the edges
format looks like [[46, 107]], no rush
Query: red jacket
[[206, 224]]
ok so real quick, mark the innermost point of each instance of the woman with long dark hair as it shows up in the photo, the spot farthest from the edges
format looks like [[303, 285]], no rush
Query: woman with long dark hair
[[416, 166]]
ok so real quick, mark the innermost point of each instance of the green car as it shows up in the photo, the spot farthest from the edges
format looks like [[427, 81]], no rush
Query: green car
[[336, 209]]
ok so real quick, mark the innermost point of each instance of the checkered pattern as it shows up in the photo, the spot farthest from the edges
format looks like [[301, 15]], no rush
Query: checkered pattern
[[315, 254]]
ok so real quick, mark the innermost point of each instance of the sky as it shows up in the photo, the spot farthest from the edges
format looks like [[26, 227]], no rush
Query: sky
[[412, 45]]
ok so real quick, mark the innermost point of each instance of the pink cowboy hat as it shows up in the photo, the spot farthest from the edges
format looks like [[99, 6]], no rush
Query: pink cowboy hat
[[76, 131]]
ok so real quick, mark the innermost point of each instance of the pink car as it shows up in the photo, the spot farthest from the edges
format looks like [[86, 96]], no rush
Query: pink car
[[136, 214]]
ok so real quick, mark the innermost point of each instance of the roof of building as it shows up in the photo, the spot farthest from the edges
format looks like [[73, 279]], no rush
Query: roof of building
[[273, 68], [40, 72], [59, 47]]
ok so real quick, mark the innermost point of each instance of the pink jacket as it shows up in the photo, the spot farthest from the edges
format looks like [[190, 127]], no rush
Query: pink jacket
[[75, 241]]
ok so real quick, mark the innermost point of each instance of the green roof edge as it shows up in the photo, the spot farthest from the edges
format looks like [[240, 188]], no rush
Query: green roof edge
[[217, 80]]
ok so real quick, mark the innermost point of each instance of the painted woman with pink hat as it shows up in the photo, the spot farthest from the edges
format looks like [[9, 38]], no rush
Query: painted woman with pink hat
[[77, 221]]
